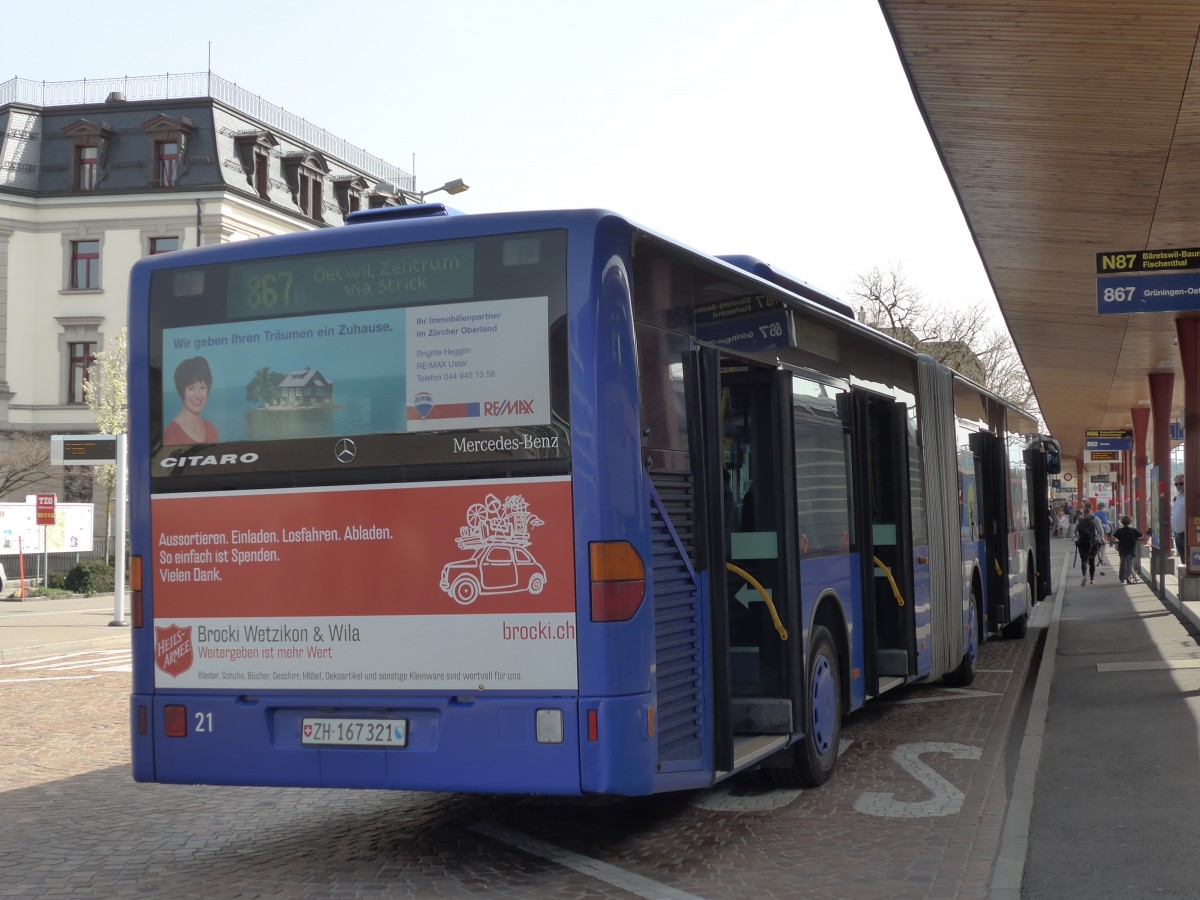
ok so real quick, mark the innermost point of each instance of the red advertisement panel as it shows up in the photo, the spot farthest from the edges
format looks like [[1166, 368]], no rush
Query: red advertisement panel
[[474, 548]]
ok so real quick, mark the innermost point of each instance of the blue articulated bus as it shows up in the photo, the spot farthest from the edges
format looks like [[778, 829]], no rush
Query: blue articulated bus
[[544, 502]]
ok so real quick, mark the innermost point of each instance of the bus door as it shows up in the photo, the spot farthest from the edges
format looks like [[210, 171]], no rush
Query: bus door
[[755, 571], [882, 513], [1037, 471], [991, 481]]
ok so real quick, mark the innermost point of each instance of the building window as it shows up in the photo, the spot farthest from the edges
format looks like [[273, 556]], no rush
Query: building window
[[77, 484], [85, 265], [310, 194], [163, 245], [349, 193], [89, 146], [305, 173], [87, 160], [262, 182], [254, 149], [166, 157], [168, 146], [81, 356]]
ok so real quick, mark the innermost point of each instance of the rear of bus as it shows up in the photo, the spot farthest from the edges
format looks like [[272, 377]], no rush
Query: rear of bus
[[358, 560]]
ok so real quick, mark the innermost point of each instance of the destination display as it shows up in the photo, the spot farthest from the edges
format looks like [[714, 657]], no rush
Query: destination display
[[1141, 281], [387, 276], [1147, 260], [1107, 439]]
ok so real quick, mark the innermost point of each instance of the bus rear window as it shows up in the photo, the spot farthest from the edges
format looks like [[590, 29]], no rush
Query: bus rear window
[[436, 354]]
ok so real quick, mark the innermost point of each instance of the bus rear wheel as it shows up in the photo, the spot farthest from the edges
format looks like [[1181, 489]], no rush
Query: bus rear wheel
[[814, 758]]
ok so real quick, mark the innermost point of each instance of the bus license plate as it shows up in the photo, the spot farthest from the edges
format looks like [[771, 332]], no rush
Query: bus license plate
[[354, 732]]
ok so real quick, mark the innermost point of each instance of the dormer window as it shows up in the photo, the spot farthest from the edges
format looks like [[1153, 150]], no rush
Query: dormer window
[[349, 193], [305, 173], [254, 150], [169, 141], [89, 152]]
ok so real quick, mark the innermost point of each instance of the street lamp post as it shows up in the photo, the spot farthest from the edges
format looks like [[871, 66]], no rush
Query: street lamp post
[[457, 186]]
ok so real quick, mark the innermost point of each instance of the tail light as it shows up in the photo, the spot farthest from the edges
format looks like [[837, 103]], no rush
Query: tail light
[[175, 721], [135, 586], [618, 578]]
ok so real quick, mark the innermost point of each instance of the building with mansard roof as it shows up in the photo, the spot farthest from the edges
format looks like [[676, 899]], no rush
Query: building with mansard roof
[[97, 174]]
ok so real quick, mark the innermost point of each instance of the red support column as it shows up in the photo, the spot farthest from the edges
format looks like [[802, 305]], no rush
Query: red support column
[[1188, 331], [1141, 419], [1162, 386], [1123, 493]]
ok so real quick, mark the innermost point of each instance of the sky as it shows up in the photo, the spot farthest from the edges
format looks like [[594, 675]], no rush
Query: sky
[[783, 129]]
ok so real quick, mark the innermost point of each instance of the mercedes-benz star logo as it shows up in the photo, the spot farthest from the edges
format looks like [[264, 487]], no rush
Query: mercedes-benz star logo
[[345, 451]]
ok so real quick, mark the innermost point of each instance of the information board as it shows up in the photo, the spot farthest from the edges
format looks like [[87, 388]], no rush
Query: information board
[[72, 531], [1140, 281]]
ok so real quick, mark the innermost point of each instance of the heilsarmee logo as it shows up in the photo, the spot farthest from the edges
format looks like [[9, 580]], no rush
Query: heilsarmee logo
[[173, 649]]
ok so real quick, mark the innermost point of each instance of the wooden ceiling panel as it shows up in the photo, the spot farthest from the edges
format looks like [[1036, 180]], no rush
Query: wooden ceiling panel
[[1067, 128]]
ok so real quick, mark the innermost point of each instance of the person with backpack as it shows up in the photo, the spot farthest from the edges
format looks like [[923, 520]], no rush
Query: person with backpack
[[1127, 537], [1088, 537]]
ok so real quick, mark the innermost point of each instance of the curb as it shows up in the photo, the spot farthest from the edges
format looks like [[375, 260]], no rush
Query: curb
[[1009, 869]]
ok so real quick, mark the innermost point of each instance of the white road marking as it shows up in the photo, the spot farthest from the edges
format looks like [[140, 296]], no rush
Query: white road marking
[[637, 885], [1157, 665], [947, 799], [41, 660], [32, 615], [95, 661]]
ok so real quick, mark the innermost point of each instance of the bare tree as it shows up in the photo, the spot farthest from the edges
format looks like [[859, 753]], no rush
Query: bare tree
[[887, 302], [964, 339], [23, 460]]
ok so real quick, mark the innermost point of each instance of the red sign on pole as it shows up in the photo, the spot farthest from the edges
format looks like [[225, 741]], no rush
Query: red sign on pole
[[45, 509]]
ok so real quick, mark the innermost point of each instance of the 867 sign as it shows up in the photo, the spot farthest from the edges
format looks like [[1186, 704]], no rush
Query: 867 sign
[[1173, 292]]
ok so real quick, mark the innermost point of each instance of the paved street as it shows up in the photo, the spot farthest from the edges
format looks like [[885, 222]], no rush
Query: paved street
[[915, 810]]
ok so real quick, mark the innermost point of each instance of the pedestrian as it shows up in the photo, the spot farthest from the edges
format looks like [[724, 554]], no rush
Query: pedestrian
[[1064, 525], [1127, 537], [1087, 542], [1178, 519], [1105, 529]]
